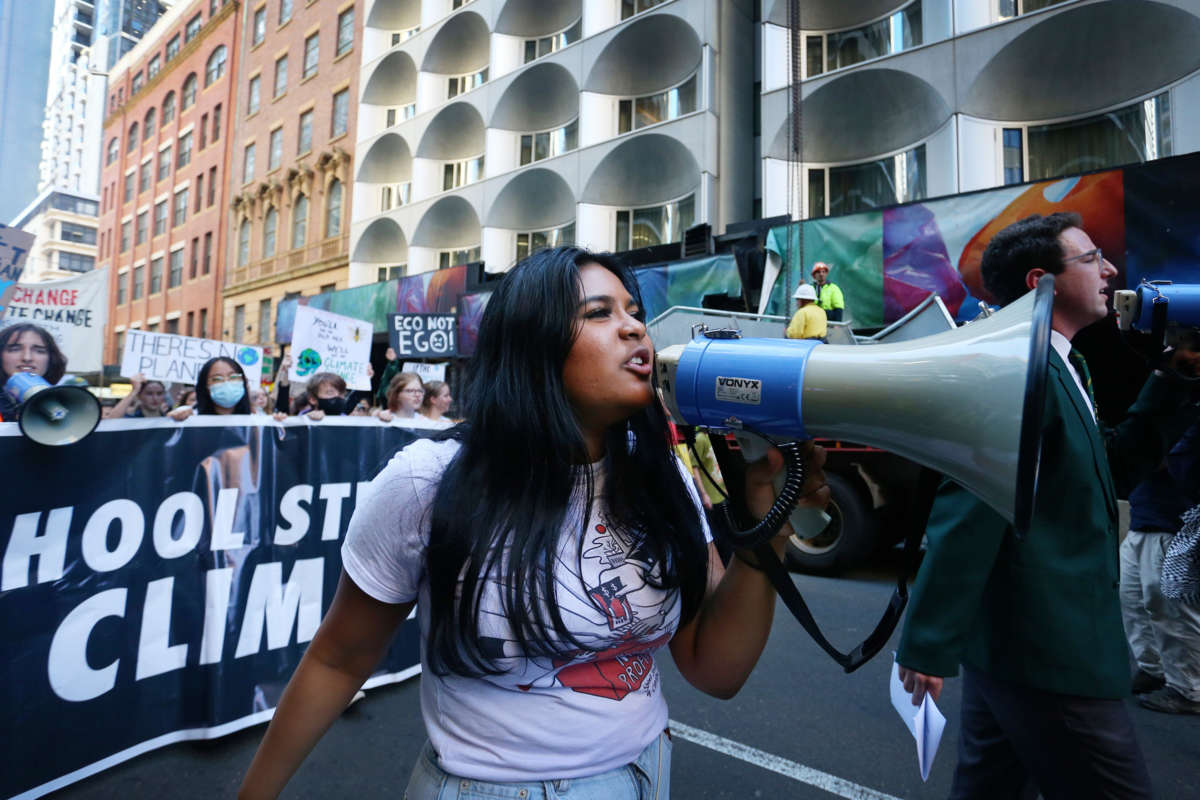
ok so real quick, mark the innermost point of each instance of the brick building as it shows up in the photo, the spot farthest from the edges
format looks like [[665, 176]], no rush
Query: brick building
[[165, 178], [294, 133]]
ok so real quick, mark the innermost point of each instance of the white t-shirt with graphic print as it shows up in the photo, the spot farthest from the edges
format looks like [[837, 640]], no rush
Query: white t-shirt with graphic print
[[539, 719]]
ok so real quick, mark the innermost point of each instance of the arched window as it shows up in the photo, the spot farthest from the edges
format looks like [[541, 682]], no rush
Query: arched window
[[270, 223], [189, 92], [244, 243], [168, 112], [148, 125], [114, 147], [333, 210], [299, 222], [131, 145], [216, 66]]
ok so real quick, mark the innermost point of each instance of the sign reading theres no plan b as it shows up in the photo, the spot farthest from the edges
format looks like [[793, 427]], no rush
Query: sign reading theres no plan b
[[178, 359]]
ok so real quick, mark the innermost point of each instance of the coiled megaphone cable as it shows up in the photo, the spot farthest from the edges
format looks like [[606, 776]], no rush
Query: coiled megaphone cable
[[793, 482]]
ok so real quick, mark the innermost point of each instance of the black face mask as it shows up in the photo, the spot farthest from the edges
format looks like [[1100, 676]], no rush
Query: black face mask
[[332, 405]]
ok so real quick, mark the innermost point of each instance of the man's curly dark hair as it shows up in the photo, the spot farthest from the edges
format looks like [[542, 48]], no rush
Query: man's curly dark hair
[[1027, 244]]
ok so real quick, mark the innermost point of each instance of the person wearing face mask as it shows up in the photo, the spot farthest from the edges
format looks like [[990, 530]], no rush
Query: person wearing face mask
[[220, 389], [327, 397], [145, 399], [27, 348]]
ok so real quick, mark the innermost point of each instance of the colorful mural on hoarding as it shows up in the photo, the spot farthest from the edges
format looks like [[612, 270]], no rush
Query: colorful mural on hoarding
[[1144, 217]]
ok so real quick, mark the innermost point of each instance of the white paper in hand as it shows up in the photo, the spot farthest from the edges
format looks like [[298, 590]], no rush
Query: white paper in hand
[[925, 722]]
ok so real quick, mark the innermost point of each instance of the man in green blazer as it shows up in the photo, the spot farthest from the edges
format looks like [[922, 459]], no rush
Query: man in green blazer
[[1036, 622]]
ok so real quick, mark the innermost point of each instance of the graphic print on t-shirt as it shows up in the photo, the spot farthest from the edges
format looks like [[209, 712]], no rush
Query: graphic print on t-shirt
[[612, 585], [618, 572]]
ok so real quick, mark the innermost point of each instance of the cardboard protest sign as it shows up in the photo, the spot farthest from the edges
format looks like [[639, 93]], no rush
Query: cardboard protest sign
[[427, 372], [326, 342], [73, 310], [14, 249], [423, 335], [175, 358]]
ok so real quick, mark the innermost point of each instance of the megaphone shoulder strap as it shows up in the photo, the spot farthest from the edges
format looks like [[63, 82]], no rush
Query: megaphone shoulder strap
[[781, 579]]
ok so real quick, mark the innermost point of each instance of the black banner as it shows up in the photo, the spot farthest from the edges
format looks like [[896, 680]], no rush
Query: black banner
[[160, 582], [423, 335]]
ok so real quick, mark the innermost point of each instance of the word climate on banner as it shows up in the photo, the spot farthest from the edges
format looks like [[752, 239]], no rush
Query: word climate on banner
[[171, 357], [326, 342], [170, 594], [423, 335], [73, 310]]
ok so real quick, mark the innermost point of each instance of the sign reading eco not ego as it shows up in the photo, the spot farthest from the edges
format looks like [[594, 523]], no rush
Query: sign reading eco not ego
[[423, 335], [171, 357]]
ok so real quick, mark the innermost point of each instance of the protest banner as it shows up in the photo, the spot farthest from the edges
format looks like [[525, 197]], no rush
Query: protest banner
[[326, 342], [15, 245], [427, 372], [167, 591], [423, 335], [178, 359], [73, 310]]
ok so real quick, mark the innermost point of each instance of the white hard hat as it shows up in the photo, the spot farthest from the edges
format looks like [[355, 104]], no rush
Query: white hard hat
[[805, 291]]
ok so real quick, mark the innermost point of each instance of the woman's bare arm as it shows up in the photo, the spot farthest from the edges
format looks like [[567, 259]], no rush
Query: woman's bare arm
[[719, 647], [348, 646]]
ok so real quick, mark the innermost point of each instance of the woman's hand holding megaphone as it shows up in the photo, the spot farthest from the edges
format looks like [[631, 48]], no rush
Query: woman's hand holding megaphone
[[760, 489]]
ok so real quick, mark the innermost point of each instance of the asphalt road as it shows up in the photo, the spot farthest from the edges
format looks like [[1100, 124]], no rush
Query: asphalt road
[[799, 724]]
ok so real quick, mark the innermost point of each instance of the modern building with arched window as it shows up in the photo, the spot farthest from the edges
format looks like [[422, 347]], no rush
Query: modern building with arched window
[[491, 128], [906, 99]]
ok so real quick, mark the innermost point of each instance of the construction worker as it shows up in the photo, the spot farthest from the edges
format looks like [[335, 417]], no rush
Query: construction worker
[[829, 296], [809, 320]]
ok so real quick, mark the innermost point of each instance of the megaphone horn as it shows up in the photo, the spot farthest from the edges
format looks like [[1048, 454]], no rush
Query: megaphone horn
[[53, 415], [967, 402]]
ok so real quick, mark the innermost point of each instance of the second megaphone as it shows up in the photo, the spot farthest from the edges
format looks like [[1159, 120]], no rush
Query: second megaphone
[[53, 415], [967, 403]]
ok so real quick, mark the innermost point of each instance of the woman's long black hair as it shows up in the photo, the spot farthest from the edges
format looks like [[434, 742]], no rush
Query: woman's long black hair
[[503, 502], [204, 401]]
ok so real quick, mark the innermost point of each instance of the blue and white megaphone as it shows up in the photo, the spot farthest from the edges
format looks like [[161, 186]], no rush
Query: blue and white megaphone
[[53, 415], [967, 403], [1162, 308]]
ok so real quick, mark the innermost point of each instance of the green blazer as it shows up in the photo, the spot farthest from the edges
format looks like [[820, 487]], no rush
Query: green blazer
[[1042, 612]]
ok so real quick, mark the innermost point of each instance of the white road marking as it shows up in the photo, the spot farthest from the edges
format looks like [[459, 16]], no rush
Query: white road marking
[[759, 758]]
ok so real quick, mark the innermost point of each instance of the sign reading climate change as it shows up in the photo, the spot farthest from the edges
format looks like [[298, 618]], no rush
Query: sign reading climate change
[[423, 335], [178, 359], [170, 594], [326, 342], [73, 310]]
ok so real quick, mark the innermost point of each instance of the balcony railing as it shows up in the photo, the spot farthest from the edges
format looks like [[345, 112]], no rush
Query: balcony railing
[[311, 254]]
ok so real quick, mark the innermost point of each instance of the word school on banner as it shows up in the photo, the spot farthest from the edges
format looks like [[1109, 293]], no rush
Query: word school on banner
[[326, 342], [423, 335], [175, 358], [171, 594], [72, 310]]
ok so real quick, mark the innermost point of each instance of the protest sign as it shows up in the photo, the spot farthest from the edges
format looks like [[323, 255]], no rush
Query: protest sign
[[168, 591], [73, 310], [14, 249], [175, 358], [423, 335], [326, 342], [427, 372]]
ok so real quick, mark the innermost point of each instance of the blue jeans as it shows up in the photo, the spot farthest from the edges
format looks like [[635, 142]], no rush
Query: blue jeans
[[648, 777]]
